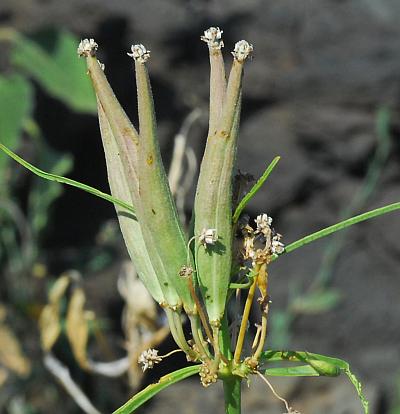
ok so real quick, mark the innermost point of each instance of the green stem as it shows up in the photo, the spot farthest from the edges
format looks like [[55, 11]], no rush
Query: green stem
[[198, 337], [232, 394], [177, 333]]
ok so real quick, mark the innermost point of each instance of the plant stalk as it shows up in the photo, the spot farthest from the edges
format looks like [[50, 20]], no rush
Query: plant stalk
[[245, 318], [232, 394]]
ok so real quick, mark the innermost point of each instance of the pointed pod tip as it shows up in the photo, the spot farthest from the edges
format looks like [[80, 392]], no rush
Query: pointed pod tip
[[139, 53], [213, 37], [87, 47], [242, 51]]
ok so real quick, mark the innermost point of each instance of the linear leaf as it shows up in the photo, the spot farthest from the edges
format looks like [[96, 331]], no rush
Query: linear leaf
[[297, 371], [149, 392], [260, 182], [340, 226], [321, 364], [68, 181]]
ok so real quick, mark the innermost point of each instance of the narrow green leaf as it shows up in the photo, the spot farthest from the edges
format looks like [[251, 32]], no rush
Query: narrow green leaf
[[260, 182], [297, 371], [339, 226], [60, 72], [68, 181], [150, 391], [358, 387], [42, 193], [321, 364]]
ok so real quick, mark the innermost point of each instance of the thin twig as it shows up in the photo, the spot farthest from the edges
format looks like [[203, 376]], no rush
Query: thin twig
[[256, 338], [111, 369], [263, 334], [175, 169], [198, 337], [288, 409], [62, 374], [200, 310], [245, 318]]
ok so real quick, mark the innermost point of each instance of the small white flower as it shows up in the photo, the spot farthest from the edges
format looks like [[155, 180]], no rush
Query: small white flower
[[87, 47], [208, 236], [263, 222], [149, 358], [277, 247], [213, 38], [102, 65], [242, 50], [139, 53]]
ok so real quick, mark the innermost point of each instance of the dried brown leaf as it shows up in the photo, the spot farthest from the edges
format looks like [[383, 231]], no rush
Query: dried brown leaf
[[49, 325], [77, 327], [11, 355], [58, 289], [49, 320]]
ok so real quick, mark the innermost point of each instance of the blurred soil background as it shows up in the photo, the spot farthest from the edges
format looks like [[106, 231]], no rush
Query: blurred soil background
[[323, 92]]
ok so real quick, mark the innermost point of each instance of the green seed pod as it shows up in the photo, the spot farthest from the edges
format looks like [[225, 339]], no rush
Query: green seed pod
[[130, 228], [213, 203], [165, 239], [324, 368], [121, 142]]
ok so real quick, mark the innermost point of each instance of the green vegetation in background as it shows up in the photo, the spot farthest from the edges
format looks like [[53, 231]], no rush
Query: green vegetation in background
[[62, 76], [320, 296]]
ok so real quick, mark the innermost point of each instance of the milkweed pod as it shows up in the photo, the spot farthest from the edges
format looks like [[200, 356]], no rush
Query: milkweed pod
[[164, 236], [324, 368], [130, 228], [213, 203], [121, 142]]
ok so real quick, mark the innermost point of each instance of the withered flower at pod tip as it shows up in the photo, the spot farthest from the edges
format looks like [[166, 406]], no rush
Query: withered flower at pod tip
[[87, 47], [213, 38], [242, 50], [139, 53]]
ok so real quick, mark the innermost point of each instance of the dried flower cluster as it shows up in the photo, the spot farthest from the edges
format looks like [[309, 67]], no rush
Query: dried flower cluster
[[262, 242], [149, 358]]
